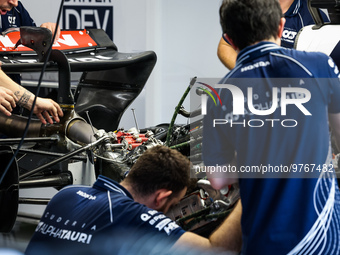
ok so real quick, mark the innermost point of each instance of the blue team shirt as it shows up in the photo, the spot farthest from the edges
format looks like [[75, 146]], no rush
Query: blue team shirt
[[283, 212], [17, 17], [77, 217], [297, 17]]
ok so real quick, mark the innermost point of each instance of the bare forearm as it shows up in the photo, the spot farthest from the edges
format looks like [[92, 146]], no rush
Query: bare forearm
[[334, 121], [44, 108], [25, 98], [229, 235]]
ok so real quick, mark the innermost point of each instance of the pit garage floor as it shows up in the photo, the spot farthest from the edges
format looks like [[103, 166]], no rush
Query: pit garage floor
[[17, 239]]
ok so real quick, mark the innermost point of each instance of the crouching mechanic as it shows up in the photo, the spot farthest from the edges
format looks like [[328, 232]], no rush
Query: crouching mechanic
[[82, 218]]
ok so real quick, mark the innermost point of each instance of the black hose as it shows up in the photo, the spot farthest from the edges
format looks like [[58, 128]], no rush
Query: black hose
[[169, 135]]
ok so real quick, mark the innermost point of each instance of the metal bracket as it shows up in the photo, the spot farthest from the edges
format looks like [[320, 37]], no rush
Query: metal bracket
[[38, 39]]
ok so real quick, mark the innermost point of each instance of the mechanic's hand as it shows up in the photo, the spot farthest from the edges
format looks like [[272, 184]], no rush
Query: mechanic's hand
[[45, 108], [7, 101], [51, 26]]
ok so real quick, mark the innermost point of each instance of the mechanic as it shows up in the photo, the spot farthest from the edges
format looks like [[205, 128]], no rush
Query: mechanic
[[13, 14], [297, 16], [295, 211], [79, 217]]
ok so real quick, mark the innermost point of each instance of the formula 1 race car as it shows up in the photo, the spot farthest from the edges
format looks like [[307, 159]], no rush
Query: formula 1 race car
[[88, 141]]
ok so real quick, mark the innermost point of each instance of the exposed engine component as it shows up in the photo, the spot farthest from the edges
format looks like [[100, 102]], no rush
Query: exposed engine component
[[203, 207], [75, 152]]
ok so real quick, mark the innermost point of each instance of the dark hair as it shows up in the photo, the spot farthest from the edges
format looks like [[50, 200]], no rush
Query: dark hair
[[249, 21], [160, 168]]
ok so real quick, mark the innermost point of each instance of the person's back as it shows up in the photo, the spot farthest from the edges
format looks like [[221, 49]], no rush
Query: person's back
[[81, 218], [282, 144], [80, 215], [276, 71]]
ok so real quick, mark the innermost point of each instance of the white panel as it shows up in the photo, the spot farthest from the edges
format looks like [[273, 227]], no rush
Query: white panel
[[187, 43], [323, 39]]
